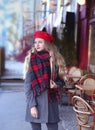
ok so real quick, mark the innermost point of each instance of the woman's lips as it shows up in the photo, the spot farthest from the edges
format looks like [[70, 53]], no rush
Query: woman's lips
[[38, 48]]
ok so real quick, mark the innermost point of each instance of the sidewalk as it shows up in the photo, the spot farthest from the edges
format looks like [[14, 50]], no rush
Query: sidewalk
[[12, 113], [13, 105]]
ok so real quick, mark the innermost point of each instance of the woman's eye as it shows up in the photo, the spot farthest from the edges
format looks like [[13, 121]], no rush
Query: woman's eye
[[40, 41], [37, 42]]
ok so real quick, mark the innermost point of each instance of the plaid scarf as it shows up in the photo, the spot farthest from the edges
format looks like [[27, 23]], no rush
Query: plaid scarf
[[41, 74]]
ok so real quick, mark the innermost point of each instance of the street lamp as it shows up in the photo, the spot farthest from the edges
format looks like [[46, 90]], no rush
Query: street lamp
[[44, 1], [81, 2]]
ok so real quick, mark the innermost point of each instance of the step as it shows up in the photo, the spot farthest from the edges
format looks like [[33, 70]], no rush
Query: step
[[14, 86], [11, 79]]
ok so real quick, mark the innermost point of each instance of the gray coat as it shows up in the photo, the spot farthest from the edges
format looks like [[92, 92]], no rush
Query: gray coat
[[47, 112]]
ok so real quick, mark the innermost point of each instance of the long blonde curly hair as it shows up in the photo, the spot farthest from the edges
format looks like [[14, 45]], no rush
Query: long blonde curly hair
[[56, 59]]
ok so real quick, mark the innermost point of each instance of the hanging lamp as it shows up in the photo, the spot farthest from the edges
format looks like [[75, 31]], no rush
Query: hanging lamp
[[81, 2]]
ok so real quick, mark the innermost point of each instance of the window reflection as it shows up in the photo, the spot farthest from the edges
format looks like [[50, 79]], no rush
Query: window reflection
[[91, 49]]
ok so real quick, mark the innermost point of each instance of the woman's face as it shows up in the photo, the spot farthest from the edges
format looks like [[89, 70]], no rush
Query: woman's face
[[39, 44]]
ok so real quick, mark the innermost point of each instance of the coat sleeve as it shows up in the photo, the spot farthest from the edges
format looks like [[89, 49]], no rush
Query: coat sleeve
[[28, 91], [60, 83]]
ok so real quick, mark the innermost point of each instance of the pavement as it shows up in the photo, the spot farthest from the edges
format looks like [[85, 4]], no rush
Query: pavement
[[13, 105]]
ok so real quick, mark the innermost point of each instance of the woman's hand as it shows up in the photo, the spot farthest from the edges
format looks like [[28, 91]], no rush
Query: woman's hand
[[53, 84], [34, 112]]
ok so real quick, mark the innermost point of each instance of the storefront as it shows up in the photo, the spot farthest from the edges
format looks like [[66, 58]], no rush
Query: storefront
[[91, 42], [86, 32]]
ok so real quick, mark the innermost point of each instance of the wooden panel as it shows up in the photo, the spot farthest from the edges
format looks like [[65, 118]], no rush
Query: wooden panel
[[83, 12], [2, 60], [84, 44]]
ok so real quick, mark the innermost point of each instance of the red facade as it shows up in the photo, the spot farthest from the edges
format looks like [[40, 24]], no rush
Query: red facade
[[85, 18]]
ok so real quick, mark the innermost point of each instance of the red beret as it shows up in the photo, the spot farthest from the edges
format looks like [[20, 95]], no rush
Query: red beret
[[44, 35]]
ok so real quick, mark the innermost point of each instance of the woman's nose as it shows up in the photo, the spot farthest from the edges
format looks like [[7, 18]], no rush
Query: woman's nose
[[37, 43]]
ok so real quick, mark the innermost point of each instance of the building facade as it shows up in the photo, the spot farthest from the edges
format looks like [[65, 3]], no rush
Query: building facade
[[32, 15], [86, 32]]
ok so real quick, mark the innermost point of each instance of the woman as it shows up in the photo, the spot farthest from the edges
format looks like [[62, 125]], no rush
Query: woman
[[44, 74]]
